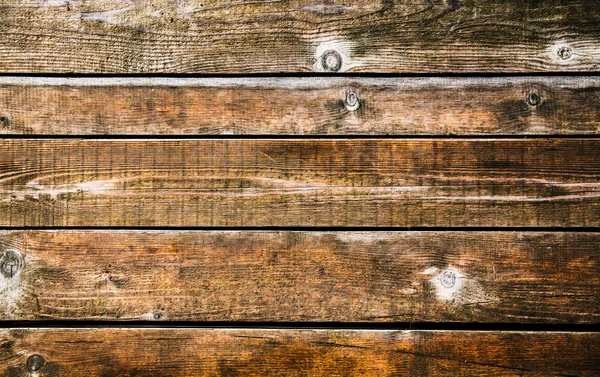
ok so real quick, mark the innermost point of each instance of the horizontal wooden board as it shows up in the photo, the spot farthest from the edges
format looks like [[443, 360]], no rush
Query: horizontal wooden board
[[306, 106], [239, 352], [509, 277], [373, 182], [216, 36]]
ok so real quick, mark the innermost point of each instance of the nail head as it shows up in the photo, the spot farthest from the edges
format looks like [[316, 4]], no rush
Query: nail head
[[352, 101], [11, 262], [565, 52], [533, 98], [448, 279], [331, 61], [35, 362]]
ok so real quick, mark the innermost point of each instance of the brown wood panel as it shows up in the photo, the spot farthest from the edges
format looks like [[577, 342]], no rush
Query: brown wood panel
[[309, 106], [376, 182], [239, 352], [216, 36], [509, 277]]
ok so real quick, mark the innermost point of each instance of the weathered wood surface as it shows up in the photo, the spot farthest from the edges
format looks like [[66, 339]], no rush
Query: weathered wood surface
[[309, 106], [376, 182], [216, 36], [239, 352], [509, 277]]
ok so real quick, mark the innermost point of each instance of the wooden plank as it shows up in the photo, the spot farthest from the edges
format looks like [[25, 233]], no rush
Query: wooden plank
[[307, 106], [509, 277], [373, 182], [243, 352], [216, 36]]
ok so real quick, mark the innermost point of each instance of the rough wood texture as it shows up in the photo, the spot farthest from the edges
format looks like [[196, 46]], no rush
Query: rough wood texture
[[432, 106], [211, 352], [377, 182], [216, 36], [301, 276]]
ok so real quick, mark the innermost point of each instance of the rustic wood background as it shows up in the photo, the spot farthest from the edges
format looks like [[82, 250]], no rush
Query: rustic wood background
[[300, 188]]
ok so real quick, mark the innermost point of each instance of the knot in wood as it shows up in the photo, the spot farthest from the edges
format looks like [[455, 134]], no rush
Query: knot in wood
[[35, 362], [448, 279], [565, 52], [331, 61], [11, 262], [352, 101]]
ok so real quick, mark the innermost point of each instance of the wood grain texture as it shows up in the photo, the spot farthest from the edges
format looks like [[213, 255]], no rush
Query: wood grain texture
[[301, 276], [216, 36], [213, 352], [307, 106], [375, 182]]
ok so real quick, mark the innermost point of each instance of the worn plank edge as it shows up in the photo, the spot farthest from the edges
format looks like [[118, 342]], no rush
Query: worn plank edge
[[575, 81]]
